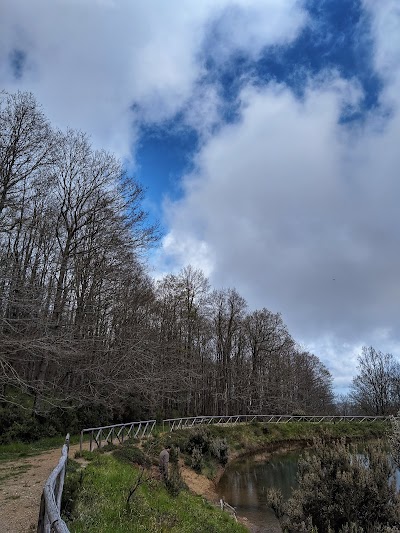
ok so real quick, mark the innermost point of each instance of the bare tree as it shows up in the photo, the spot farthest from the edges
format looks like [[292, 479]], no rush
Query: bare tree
[[228, 316], [81, 322], [372, 389], [269, 343], [26, 145]]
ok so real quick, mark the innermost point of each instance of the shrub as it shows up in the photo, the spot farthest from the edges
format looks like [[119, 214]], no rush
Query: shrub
[[341, 490], [86, 454], [131, 454], [198, 445], [109, 447], [175, 482], [200, 439], [18, 424], [220, 450], [197, 459]]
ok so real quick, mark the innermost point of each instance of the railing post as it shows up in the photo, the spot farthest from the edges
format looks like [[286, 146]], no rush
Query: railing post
[[42, 513], [49, 519]]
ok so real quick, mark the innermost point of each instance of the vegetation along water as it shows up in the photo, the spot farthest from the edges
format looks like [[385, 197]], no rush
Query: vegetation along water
[[100, 495], [88, 337]]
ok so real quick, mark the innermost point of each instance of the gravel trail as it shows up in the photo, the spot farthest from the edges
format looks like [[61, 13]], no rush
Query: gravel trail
[[21, 487]]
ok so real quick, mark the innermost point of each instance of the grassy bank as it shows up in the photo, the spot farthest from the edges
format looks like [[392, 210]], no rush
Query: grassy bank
[[98, 495], [249, 438], [102, 504], [16, 450]]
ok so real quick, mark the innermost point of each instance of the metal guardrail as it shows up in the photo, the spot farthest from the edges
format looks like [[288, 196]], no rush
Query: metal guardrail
[[226, 507], [119, 432], [49, 515], [189, 422]]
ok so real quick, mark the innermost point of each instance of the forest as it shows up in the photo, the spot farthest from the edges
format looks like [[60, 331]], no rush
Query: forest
[[87, 335]]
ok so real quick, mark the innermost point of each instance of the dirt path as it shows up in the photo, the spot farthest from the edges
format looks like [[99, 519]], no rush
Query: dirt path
[[21, 486], [22, 482]]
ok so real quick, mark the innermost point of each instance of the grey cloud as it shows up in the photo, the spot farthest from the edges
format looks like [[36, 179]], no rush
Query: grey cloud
[[301, 215]]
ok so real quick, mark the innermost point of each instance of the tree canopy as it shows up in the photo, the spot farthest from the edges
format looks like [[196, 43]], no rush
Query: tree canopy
[[82, 323]]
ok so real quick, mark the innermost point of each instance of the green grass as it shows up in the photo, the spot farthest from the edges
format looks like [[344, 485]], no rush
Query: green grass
[[85, 454], [101, 492], [16, 450], [102, 507], [248, 438]]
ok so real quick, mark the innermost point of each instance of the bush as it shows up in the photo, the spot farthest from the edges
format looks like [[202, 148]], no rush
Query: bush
[[259, 428], [220, 450], [18, 424], [200, 439], [341, 490], [199, 444], [109, 447], [131, 454], [86, 454], [175, 482], [197, 460]]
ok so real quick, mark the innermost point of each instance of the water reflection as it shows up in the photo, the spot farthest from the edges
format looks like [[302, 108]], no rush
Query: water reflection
[[245, 483]]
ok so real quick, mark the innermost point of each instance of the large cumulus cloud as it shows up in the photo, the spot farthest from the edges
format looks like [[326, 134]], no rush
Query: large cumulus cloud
[[106, 66], [298, 209]]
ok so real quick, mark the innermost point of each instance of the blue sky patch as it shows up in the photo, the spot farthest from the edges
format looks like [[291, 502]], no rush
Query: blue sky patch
[[163, 155], [336, 38]]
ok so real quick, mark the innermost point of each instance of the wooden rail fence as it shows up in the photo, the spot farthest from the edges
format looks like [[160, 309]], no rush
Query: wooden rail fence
[[49, 515], [119, 432], [189, 422]]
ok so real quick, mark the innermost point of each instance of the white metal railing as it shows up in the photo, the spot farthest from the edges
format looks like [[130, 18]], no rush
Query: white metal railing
[[49, 515], [119, 432], [188, 422], [226, 507]]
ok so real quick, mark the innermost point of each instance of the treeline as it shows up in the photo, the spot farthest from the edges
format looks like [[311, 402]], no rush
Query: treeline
[[375, 390], [82, 323]]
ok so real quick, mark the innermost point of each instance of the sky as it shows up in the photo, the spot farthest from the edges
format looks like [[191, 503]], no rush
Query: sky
[[266, 134]]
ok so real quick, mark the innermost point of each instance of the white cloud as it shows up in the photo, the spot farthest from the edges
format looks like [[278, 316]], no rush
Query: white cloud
[[300, 214], [182, 245], [88, 62], [248, 26], [385, 21], [385, 16]]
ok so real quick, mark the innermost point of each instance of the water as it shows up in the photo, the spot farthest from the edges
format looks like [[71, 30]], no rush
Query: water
[[245, 483]]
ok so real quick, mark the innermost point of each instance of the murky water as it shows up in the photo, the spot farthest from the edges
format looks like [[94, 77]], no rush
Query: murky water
[[245, 482]]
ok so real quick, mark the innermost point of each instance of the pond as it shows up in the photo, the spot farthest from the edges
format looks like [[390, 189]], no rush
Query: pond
[[245, 482], [244, 485]]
